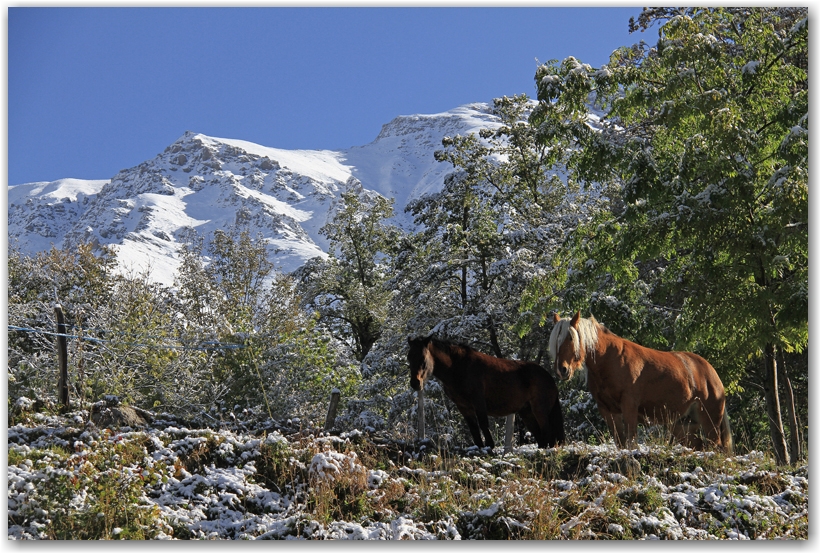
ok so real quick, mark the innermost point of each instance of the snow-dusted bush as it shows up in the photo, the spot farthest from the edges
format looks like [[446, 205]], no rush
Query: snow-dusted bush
[[170, 481], [223, 338]]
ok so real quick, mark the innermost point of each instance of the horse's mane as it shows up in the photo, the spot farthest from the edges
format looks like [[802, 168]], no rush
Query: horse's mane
[[587, 333], [451, 348]]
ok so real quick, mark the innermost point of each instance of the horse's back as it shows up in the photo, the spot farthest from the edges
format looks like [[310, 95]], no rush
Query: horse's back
[[686, 367], [533, 374], [511, 384]]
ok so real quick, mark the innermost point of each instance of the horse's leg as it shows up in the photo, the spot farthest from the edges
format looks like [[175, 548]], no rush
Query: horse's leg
[[534, 421], [629, 414], [541, 412], [615, 424], [711, 419], [547, 409], [472, 423], [475, 430], [686, 426], [484, 423], [685, 431], [532, 425]]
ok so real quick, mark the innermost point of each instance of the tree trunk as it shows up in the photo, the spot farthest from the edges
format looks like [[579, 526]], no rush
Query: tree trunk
[[770, 390], [365, 332], [464, 288], [795, 443], [330, 420], [494, 339]]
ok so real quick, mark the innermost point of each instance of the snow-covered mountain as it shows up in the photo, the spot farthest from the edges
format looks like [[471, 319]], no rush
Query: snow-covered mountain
[[208, 183]]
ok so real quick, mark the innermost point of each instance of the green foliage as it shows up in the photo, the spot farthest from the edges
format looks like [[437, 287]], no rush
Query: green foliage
[[74, 276], [703, 154], [275, 467], [347, 289], [707, 138], [281, 359], [154, 347], [81, 281]]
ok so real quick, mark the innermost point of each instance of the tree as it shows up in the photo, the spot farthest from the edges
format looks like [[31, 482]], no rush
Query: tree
[[121, 329], [264, 351], [347, 289], [462, 243], [488, 240], [706, 137], [80, 279]]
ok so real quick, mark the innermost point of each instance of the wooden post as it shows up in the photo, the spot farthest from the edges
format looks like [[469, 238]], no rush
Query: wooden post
[[509, 430], [421, 414], [62, 357], [331, 411]]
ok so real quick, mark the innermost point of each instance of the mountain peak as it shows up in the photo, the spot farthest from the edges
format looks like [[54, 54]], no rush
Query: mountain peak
[[206, 183]]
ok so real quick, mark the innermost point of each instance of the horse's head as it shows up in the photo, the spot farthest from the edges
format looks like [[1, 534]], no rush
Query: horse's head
[[566, 349], [420, 360]]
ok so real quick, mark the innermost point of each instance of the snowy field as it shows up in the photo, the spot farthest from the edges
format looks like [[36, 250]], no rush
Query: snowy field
[[68, 479]]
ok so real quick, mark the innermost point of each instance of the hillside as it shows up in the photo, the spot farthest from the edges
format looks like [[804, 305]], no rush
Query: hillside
[[206, 183], [243, 480]]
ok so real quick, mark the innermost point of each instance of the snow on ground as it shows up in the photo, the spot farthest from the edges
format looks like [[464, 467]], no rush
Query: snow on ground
[[320, 165], [39, 211], [57, 191], [173, 480]]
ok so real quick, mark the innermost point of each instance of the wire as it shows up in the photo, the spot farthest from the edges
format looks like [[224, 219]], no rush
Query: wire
[[204, 346]]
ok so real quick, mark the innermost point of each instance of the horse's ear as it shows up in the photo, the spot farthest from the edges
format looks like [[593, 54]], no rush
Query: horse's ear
[[556, 317], [575, 319]]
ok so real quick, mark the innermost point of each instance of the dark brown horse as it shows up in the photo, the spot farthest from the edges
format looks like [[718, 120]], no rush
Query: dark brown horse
[[631, 382], [482, 385]]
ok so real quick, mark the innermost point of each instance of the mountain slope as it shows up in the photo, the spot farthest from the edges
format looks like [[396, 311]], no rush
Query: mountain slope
[[206, 183]]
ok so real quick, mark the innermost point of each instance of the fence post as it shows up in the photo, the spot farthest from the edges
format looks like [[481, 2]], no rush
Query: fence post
[[421, 414], [331, 411], [62, 357], [509, 430]]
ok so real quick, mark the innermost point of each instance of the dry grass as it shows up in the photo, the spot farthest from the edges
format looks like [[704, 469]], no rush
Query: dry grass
[[201, 483]]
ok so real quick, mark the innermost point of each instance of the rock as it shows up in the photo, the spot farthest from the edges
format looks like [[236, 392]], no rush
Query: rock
[[107, 416], [627, 465]]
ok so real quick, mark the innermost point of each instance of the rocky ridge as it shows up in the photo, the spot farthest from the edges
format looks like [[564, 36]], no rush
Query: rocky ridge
[[205, 183]]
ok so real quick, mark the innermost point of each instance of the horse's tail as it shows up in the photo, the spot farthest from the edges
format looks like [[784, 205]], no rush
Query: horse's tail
[[556, 423], [726, 433]]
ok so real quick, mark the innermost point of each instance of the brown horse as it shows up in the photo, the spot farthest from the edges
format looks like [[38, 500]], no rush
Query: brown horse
[[629, 381], [482, 385]]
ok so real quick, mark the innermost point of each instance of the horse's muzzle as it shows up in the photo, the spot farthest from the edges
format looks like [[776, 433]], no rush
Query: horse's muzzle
[[562, 371]]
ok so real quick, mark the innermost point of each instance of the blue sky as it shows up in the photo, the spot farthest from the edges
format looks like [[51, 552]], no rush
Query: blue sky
[[92, 91]]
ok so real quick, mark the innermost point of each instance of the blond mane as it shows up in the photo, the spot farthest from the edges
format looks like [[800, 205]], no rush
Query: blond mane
[[587, 333]]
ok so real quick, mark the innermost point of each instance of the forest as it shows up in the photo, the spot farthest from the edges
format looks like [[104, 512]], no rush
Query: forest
[[665, 193]]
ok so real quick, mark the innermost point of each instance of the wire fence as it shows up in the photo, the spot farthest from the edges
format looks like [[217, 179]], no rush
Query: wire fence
[[205, 345], [211, 345]]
